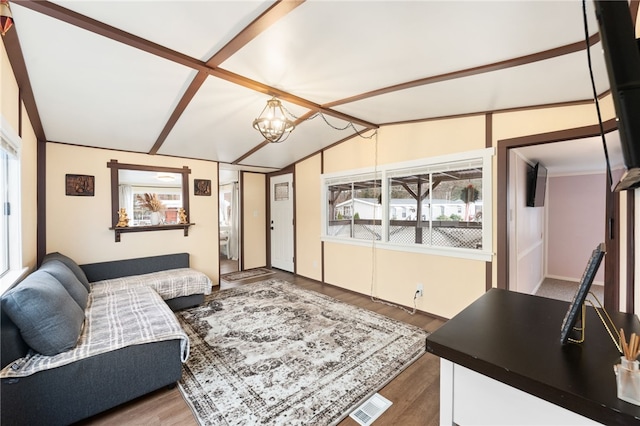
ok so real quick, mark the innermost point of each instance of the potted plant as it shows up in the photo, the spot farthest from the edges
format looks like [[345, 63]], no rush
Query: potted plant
[[151, 203]]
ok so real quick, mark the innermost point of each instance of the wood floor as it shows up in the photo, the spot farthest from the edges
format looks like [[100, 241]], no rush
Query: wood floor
[[415, 393]]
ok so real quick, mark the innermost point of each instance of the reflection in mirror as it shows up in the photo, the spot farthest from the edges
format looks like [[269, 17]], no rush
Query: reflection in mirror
[[150, 195], [150, 198]]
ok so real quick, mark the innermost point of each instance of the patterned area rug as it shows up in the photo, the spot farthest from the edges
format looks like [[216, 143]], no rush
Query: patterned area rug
[[273, 353], [245, 275]]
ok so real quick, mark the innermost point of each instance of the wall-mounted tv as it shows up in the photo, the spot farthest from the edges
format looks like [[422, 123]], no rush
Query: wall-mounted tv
[[536, 185], [622, 56]]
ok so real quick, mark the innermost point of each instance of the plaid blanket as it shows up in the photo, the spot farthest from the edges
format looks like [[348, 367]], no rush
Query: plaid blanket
[[168, 284], [114, 320]]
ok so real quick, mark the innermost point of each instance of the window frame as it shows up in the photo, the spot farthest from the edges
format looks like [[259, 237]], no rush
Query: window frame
[[12, 144], [422, 165]]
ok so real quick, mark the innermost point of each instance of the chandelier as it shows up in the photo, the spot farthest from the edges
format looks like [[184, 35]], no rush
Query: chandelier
[[272, 123]]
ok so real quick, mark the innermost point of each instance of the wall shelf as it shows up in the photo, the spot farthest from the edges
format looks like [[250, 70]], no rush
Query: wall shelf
[[124, 230]]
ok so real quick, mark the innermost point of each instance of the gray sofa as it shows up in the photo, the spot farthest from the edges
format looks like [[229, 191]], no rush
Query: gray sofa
[[86, 385]]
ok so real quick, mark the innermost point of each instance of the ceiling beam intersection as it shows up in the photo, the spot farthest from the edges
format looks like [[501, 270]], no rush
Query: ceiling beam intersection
[[261, 23], [73, 18]]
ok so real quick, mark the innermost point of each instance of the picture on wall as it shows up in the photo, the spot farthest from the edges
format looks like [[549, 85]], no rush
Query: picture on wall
[[202, 187], [80, 185]]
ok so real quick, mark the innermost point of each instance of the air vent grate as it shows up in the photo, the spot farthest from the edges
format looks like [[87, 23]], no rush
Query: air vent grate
[[370, 410]]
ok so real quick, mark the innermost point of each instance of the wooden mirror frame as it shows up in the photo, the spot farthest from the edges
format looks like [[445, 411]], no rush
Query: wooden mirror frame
[[115, 199]]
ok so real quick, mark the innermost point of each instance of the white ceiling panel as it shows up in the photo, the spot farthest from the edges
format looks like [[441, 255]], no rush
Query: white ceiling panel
[[561, 79], [93, 91], [196, 28], [581, 156], [217, 124], [326, 51]]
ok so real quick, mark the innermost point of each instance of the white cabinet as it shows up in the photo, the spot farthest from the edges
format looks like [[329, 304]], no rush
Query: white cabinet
[[470, 398]]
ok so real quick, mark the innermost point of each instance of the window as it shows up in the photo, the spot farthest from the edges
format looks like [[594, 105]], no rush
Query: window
[[434, 205], [10, 229], [171, 199], [354, 210]]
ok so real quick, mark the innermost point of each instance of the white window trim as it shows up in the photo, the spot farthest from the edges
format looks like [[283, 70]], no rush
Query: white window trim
[[381, 172], [10, 140]]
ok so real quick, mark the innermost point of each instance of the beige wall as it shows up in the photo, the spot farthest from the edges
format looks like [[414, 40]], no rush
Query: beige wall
[[10, 107], [407, 142], [450, 284], [79, 226], [308, 226], [9, 104], [254, 219], [529, 122]]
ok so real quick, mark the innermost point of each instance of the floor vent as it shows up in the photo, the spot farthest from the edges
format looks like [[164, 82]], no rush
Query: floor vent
[[370, 410]]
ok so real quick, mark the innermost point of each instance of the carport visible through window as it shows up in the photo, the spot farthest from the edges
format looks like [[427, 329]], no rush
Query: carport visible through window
[[439, 205]]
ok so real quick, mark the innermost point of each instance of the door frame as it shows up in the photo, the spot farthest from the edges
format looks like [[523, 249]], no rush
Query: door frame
[[612, 293], [288, 170], [240, 220]]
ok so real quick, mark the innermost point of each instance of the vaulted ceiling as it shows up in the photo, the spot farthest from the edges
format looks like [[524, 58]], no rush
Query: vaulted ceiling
[[187, 78]]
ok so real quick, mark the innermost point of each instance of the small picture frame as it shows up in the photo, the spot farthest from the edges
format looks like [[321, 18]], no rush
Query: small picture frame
[[573, 313], [80, 185], [202, 187]]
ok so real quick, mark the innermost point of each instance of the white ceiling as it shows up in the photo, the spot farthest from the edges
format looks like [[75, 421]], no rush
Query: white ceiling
[[581, 156], [112, 74]]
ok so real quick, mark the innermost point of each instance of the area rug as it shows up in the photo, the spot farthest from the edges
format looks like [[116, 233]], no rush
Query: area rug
[[273, 353], [245, 275]]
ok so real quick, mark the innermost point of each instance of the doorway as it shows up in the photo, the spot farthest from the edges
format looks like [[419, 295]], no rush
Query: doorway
[[612, 282], [228, 221], [281, 222], [552, 233]]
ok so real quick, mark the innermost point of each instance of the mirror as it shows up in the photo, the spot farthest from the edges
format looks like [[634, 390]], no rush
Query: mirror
[[151, 195]]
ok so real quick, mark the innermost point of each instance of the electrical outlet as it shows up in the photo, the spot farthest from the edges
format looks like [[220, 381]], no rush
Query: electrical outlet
[[419, 290]]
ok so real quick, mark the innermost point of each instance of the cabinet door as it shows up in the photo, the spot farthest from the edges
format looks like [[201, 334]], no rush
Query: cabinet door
[[480, 400]]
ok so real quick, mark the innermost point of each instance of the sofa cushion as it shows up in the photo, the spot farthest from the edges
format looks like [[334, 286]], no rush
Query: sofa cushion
[[71, 264], [69, 281], [50, 321]]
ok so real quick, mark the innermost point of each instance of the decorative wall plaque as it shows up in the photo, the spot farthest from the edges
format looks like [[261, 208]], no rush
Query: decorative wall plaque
[[80, 185], [202, 187]]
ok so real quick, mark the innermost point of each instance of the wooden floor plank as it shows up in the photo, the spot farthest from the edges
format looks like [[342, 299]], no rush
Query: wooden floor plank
[[414, 392]]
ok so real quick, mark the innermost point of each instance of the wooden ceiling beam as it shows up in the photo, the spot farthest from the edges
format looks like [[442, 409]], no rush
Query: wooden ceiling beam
[[261, 23], [191, 91], [81, 21], [270, 16], [16, 59], [284, 96], [497, 66]]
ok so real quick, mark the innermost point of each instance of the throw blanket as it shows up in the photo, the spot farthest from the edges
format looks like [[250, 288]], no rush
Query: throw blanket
[[127, 317], [169, 284]]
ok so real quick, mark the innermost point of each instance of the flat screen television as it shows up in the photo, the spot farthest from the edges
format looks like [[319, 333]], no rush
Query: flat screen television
[[536, 185], [622, 57]]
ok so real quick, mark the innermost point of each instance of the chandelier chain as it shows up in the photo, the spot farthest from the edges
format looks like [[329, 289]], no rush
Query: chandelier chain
[[349, 124]]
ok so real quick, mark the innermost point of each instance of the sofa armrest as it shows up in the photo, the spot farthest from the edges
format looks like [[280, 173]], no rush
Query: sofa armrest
[[142, 265]]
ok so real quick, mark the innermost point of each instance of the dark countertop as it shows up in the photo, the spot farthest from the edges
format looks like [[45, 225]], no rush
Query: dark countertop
[[515, 338]]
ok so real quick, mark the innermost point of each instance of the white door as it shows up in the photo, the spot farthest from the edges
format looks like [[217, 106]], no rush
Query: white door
[[281, 189]]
